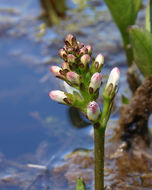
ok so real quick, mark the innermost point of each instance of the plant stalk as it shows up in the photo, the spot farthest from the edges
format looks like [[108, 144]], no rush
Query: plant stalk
[[99, 134]]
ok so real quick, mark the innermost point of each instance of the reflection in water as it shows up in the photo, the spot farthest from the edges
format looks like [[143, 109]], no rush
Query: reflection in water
[[53, 10], [76, 118]]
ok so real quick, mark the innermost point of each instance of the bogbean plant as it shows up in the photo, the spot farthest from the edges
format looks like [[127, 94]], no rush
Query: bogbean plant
[[85, 80]]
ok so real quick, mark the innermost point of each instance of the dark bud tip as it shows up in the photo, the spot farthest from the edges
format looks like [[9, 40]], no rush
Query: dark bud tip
[[97, 65], [66, 100], [91, 90]]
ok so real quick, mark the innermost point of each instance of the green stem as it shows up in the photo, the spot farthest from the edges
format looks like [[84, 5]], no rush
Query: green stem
[[128, 49], [149, 16], [99, 134]]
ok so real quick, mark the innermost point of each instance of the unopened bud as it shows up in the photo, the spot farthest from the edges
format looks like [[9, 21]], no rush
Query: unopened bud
[[85, 59], [71, 58], [73, 77], [62, 54], [58, 96], [89, 48], [98, 63], [70, 50], [113, 77], [65, 66], [83, 51], [95, 82], [80, 45], [70, 40], [56, 71], [93, 111]]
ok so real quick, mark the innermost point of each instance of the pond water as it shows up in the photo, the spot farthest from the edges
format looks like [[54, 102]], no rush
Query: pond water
[[34, 129]]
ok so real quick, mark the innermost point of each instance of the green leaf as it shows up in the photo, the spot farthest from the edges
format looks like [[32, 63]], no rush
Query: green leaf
[[149, 16], [124, 13], [141, 41], [80, 184]]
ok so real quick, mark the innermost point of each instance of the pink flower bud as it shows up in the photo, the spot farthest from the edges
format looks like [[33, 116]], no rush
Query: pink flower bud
[[58, 96], [71, 58], [89, 48], [62, 54], [80, 45], [73, 77], [95, 82], [56, 71], [70, 50], [85, 59], [93, 111], [65, 65], [70, 40], [83, 51], [113, 77]]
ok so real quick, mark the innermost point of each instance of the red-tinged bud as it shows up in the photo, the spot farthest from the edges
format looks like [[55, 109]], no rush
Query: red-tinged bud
[[56, 71], [71, 58], [70, 50], [95, 82], [65, 66], [63, 54], [113, 77], [89, 48], [58, 96], [70, 40], [85, 59], [83, 51], [93, 111], [73, 77], [98, 63], [80, 45]]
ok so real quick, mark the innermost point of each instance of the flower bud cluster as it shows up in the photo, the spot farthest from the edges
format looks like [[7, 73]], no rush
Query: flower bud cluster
[[83, 77]]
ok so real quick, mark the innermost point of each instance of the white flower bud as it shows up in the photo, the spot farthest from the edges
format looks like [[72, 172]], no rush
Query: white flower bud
[[56, 71], [113, 77], [85, 59], [62, 53], [71, 58], [73, 77], [95, 82], [58, 96], [98, 63], [65, 65], [89, 49], [93, 111]]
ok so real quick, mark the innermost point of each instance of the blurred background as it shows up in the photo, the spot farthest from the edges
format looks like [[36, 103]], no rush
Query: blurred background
[[34, 129]]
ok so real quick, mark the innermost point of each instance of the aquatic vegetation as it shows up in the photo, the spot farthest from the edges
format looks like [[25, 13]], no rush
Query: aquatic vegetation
[[137, 41], [124, 14], [138, 47], [53, 11], [83, 80]]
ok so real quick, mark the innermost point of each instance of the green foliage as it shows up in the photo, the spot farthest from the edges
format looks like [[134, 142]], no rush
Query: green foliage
[[149, 16], [124, 13], [141, 41], [80, 184]]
